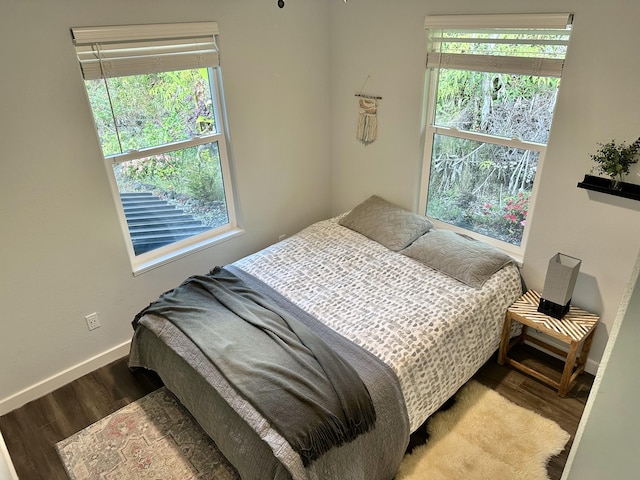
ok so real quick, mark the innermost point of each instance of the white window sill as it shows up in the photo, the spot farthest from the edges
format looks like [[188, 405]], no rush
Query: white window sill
[[177, 253]]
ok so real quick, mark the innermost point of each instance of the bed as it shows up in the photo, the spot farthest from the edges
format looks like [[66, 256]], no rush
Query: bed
[[416, 311]]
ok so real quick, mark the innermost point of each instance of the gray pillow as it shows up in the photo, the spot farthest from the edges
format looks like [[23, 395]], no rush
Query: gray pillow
[[386, 223], [471, 261]]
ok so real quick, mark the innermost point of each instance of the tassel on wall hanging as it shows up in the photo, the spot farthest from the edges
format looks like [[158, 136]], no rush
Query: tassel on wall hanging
[[368, 120], [368, 116]]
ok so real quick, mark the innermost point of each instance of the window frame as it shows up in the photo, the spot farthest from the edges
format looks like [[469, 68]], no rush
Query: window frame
[[178, 249], [431, 129]]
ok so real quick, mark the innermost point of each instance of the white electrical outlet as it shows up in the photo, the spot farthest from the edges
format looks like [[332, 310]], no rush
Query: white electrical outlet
[[282, 237], [93, 321]]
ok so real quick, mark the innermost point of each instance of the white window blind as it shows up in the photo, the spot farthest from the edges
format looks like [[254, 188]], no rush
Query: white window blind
[[521, 44], [132, 50]]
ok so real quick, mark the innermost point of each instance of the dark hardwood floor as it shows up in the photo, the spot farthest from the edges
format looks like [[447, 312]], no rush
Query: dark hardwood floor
[[31, 431]]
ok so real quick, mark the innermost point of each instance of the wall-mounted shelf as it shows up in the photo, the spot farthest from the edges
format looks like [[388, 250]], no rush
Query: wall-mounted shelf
[[603, 185]]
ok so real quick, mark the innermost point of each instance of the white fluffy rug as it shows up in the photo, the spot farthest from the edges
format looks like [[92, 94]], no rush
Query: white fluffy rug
[[485, 437]]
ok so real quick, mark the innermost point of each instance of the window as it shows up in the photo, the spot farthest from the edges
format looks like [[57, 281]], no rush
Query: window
[[492, 84], [155, 94]]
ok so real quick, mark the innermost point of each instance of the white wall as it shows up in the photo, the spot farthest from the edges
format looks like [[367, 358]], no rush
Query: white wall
[[598, 101], [610, 427], [63, 255], [7, 472]]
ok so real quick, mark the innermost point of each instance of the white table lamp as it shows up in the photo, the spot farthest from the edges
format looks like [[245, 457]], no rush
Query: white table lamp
[[558, 285]]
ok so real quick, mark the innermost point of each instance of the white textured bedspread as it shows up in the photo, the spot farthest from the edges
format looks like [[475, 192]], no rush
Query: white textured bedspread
[[433, 331]]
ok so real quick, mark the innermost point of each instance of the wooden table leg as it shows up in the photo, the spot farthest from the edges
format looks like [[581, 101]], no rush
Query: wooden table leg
[[523, 335], [568, 368], [504, 343], [586, 347]]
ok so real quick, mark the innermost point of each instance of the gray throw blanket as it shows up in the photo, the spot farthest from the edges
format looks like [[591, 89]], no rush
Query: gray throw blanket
[[307, 392]]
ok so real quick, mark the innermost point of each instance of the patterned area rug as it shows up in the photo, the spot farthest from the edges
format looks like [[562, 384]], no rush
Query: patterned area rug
[[152, 438], [482, 437]]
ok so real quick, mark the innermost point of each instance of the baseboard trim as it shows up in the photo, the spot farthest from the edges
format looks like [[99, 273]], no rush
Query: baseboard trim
[[591, 366], [58, 380]]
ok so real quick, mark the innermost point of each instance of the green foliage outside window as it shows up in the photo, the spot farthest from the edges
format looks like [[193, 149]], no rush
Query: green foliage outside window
[[194, 172], [482, 185], [467, 175], [157, 109]]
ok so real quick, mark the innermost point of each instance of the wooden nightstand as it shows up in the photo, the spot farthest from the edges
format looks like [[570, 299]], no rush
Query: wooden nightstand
[[575, 329]]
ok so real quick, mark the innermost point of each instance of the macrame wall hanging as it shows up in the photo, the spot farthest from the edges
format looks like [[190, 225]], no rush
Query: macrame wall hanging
[[368, 117]]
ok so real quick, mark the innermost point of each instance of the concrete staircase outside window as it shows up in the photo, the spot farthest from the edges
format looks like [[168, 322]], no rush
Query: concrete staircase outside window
[[154, 223]]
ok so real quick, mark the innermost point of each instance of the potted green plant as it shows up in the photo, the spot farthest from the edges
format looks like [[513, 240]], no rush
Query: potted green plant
[[614, 159]]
